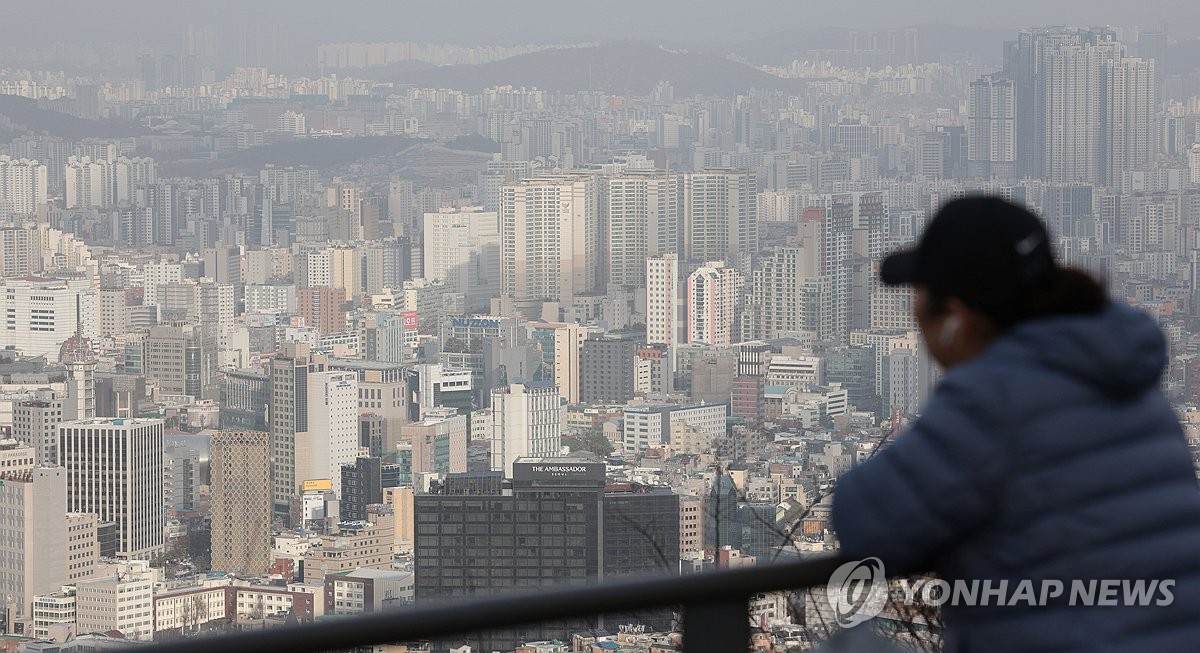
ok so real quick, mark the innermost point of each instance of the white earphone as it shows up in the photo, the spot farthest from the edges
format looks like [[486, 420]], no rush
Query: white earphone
[[949, 330]]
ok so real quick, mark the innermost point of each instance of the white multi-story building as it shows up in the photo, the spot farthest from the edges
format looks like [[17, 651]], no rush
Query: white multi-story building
[[114, 469], [713, 291], [643, 221], [795, 370], [665, 321], [33, 534], [527, 420], [292, 122], [40, 313], [550, 240], [123, 602], [332, 436], [279, 299], [22, 186], [54, 615], [157, 274], [103, 183], [462, 248], [88, 184], [649, 426], [720, 215]]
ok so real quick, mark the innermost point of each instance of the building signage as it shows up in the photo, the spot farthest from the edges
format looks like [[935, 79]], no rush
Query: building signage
[[580, 471], [316, 485]]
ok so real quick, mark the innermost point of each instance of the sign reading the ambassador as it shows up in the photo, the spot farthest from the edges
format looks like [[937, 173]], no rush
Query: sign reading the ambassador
[[581, 471]]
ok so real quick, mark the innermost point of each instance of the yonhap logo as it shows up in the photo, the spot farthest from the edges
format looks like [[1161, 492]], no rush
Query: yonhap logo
[[857, 591]]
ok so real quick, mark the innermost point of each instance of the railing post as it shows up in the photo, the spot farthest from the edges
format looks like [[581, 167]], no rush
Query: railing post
[[719, 626]]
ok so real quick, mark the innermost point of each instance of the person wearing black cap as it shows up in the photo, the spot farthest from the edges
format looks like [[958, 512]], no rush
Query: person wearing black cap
[[1046, 454]]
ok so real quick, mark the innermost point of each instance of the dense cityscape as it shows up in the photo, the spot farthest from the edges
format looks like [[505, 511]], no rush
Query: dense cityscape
[[406, 322]]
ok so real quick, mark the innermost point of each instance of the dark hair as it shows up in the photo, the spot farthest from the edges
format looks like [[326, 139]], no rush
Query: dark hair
[[1068, 291]]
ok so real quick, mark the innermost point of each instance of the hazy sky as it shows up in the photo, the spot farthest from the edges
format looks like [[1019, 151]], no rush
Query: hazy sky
[[694, 22]]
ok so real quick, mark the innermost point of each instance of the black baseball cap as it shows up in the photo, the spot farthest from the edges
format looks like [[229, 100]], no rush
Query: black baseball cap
[[986, 251]]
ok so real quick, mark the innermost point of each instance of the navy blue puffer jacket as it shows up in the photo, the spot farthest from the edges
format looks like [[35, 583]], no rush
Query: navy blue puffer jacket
[[1053, 455]]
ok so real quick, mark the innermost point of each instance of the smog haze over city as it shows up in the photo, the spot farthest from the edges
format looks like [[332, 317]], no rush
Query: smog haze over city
[[328, 323]]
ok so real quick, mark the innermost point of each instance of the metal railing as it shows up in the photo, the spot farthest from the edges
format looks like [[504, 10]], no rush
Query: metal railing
[[715, 612]]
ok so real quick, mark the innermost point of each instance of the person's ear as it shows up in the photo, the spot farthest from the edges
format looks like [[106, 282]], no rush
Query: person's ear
[[969, 320]]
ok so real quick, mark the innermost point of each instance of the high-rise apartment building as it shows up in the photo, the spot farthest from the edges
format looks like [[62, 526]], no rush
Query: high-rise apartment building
[[713, 293], [241, 501], [22, 186], [114, 468], [527, 420], [550, 240], [1083, 107], [462, 248], [720, 216], [992, 128], [1130, 112], [643, 220], [788, 296]]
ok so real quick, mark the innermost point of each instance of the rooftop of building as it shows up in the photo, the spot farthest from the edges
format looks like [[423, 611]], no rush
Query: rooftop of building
[[377, 574], [113, 421]]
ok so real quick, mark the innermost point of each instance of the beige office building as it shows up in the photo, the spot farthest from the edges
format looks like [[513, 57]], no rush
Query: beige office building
[[241, 502]]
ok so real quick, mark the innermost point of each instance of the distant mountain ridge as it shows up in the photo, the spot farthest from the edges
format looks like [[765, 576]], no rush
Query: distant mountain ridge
[[622, 67]]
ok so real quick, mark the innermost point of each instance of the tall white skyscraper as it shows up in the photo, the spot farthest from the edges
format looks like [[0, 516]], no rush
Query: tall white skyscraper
[[527, 420], [462, 248], [114, 469], [720, 216], [550, 240], [643, 221], [713, 291]]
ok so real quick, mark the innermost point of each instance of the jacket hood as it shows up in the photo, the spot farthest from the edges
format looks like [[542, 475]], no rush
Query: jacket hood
[[1120, 350]]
